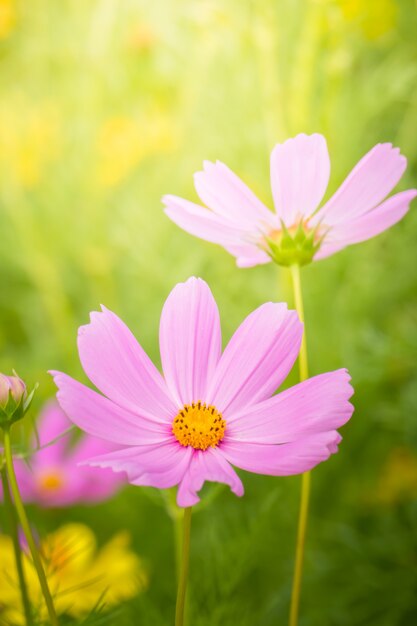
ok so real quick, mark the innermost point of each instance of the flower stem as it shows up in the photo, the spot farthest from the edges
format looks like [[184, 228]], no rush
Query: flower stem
[[178, 532], [24, 522], [16, 547], [185, 561], [306, 477], [298, 300]]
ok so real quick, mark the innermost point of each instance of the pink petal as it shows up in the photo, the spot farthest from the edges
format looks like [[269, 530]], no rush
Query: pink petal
[[96, 484], [257, 358], [282, 460], [190, 340], [160, 466], [369, 182], [24, 477], [328, 249], [374, 222], [51, 424], [203, 223], [316, 405], [252, 261], [333, 445], [102, 418], [117, 365], [206, 465], [300, 170], [222, 191], [248, 255]]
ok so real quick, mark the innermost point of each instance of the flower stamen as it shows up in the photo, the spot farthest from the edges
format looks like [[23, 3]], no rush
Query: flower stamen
[[199, 425]]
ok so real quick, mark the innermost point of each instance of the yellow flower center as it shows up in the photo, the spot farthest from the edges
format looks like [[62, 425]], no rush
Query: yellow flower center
[[51, 481], [199, 425]]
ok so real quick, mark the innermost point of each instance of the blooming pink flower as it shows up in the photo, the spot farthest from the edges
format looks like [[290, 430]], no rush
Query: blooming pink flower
[[210, 410], [300, 169], [53, 477]]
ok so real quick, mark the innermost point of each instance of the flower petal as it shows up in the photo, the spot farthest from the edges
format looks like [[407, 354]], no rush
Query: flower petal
[[300, 170], [316, 405], [190, 340], [206, 465], [24, 477], [51, 425], [328, 249], [372, 223], [282, 460], [369, 182], [248, 255], [100, 417], [225, 193], [95, 484], [160, 466], [203, 223], [119, 367], [257, 358]]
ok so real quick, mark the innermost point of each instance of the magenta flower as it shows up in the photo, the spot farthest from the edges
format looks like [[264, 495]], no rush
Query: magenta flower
[[210, 410], [53, 477], [297, 232]]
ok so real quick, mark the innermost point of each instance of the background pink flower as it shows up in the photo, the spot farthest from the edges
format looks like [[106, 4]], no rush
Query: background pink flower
[[210, 410], [300, 169], [52, 476]]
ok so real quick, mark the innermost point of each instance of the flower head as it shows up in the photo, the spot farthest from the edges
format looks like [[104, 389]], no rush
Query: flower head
[[81, 577], [11, 387], [53, 477], [209, 410], [14, 400], [297, 232]]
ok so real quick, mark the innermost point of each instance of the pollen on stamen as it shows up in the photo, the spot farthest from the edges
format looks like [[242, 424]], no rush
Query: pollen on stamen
[[199, 425]]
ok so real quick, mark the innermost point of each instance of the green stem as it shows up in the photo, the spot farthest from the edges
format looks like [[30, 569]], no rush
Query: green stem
[[24, 522], [185, 562], [16, 547], [306, 478], [298, 300], [178, 532]]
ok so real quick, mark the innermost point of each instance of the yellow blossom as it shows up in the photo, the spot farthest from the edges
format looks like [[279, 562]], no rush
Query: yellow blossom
[[124, 142], [374, 17], [7, 17], [81, 577], [141, 38], [29, 141]]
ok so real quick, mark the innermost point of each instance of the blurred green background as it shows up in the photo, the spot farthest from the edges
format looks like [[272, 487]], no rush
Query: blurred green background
[[107, 105]]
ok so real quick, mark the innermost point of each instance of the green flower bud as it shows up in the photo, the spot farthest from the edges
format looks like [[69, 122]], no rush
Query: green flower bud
[[14, 399]]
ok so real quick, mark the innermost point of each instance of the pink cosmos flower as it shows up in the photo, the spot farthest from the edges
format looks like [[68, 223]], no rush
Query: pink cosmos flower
[[300, 169], [209, 410], [53, 477]]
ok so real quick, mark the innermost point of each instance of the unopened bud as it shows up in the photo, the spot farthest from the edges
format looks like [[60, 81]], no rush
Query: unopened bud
[[14, 400], [11, 386]]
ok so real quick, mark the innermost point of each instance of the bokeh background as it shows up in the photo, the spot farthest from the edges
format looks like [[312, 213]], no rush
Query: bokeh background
[[107, 105]]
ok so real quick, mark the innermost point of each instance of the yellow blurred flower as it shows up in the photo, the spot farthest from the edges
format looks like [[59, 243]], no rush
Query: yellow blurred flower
[[80, 576], [29, 141], [124, 142], [397, 481], [8, 16], [141, 38], [373, 17]]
